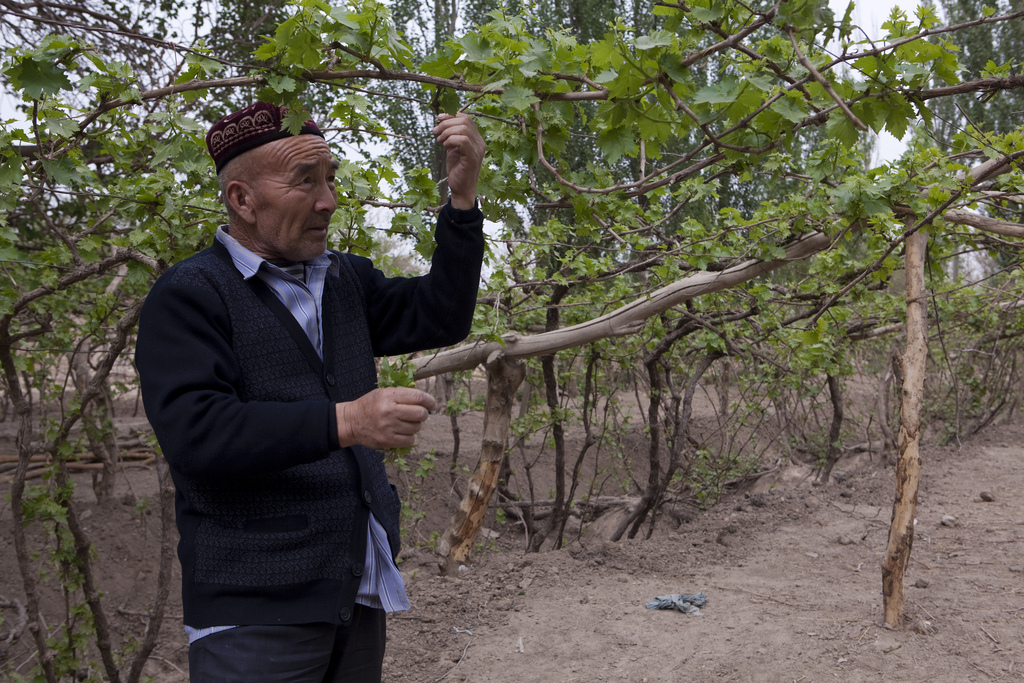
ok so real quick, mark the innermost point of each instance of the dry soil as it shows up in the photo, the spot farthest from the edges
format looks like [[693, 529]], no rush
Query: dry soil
[[791, 572]]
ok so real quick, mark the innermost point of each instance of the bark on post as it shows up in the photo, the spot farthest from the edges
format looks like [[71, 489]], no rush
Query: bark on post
[[908, 464], [503, 379]]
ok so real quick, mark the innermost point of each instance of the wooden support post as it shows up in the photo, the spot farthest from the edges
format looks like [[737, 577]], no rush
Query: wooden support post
[[503, 379], [908, 465]]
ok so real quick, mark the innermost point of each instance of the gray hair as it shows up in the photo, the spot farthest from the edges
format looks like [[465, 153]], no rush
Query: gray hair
[[243, 168]]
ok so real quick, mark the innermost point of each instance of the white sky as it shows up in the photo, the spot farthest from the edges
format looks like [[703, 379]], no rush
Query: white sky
[[870, 15]]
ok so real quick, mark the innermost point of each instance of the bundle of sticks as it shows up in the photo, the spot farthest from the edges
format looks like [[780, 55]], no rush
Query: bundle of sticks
[[38, 464]]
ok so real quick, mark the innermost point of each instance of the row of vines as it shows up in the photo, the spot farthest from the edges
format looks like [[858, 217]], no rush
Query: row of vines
[[695, 272]]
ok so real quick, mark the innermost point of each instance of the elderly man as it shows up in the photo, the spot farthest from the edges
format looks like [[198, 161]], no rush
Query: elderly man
[[257, 365]]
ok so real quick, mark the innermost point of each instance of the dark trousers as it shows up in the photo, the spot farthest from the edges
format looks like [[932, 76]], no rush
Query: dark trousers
[[302, 653]]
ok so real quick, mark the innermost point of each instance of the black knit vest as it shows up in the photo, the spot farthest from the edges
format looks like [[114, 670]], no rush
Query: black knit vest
[[305, 524]]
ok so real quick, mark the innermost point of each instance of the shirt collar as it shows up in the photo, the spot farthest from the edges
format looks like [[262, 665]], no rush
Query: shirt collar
[[248, 263]]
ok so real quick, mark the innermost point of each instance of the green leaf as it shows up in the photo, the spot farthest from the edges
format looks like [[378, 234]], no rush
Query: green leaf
[[672, 65], [897, 123], [724, 92], [398, 372], [496, 85], [476, 47], [806, 14], [10, 170], [449, 101], [789, 109], [36, 78], [62, 127], [605, 53], [537, 58], [615, 142], [294, 118], [842, 128], [656, 39], [707, 15], [518, 98], [343, 17], [937, 195], [266, 51], [652, 130], [62, 170], [281, 84], [198, 66]]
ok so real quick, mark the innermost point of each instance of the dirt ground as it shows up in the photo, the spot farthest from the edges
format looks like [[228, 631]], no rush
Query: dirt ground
[[791, 572]]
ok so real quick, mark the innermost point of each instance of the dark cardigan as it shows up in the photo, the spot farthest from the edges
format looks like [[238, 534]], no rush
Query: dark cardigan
[[272, 513]]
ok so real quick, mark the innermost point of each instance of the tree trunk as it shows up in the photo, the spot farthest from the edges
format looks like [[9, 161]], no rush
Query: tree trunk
[[649, 497], [453, 418], [908, 464], [168, 533], [503, 378], [560, 512], [97, 423], [525, 514], [21, 400], [675, 428], [832, 453], [587, 409], [90, 591]]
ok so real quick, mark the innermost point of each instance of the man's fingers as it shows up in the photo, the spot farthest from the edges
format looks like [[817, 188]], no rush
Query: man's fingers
[[411, 415], [384, 418], [407, 396], [465, 149], [458, 132]]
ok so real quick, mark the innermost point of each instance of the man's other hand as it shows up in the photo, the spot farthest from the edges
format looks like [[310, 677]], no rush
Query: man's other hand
[[465, 147], [384, 418]]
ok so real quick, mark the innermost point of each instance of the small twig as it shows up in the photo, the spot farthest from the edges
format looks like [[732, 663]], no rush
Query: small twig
[[979, 668], [989, 635], [170, 664], [415, 617], [147, 615], [47, 630], [825, 84], [925, 610], [923, 564], [29, 659], [457, 664], [769, 598]]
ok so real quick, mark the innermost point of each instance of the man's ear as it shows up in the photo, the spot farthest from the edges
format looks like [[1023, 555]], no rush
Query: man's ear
[[242, 200]]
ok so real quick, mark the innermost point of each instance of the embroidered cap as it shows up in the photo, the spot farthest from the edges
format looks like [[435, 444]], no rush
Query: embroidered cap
[[249, 128]]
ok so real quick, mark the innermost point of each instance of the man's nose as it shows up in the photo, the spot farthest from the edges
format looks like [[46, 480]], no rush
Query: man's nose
[[327, 198]]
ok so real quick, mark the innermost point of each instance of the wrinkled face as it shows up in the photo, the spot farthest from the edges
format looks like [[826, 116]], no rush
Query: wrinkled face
[[292, 199]]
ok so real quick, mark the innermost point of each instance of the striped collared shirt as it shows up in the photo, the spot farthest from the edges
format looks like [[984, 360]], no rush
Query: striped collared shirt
[[381, 585]]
